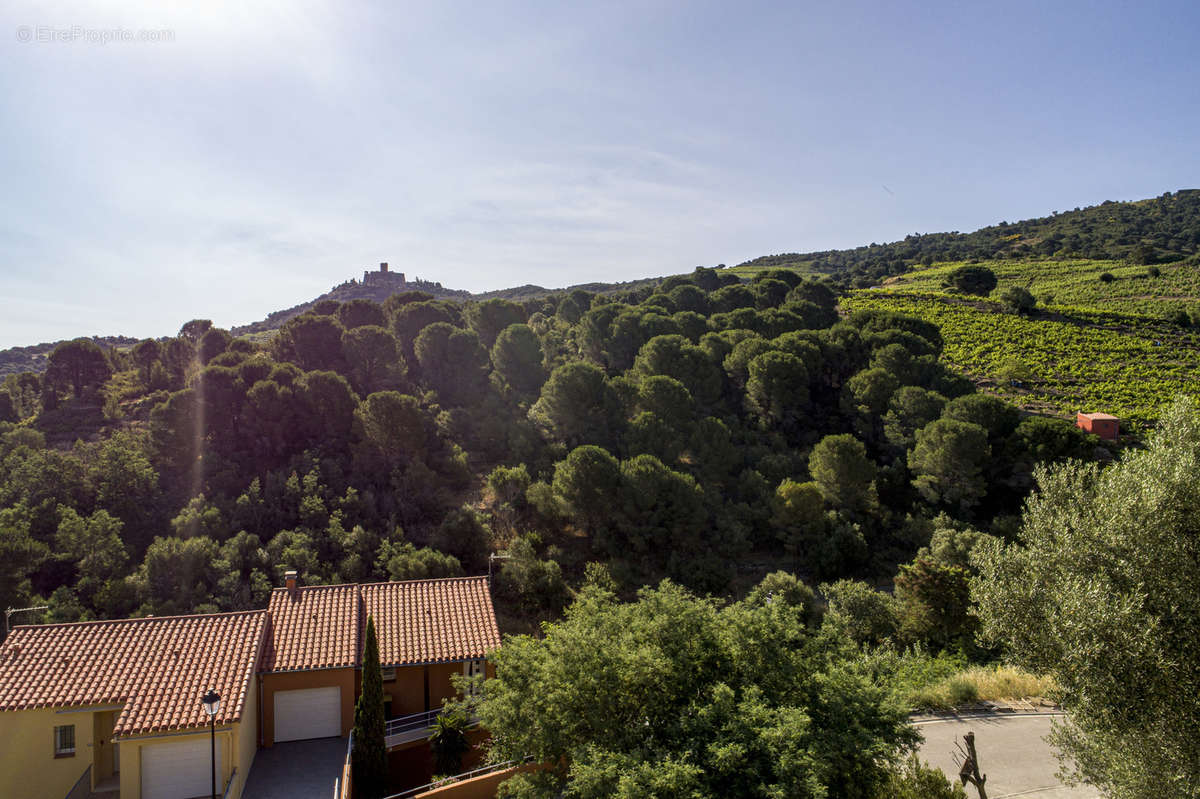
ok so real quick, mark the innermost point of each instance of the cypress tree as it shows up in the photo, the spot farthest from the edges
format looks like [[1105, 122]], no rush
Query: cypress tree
[[369, 760]]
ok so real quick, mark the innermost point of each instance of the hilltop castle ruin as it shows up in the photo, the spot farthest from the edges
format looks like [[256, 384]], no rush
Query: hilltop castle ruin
[[384, 278]]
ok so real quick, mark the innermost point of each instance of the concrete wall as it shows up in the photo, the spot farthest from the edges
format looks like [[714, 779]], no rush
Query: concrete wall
[[347, 784], [409, 767], [28, 767], [296, 680], [482, 787]]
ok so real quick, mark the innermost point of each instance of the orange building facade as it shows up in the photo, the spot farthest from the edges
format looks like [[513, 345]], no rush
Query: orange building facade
[[1103, 425], [311, 668]]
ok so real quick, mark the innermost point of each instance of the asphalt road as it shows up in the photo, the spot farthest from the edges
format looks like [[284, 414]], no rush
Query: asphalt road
[[1012, 754]]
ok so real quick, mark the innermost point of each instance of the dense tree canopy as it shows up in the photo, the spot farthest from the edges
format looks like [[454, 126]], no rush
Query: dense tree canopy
[[77, 366], [1100, 591], [692, 430], [675, 696]]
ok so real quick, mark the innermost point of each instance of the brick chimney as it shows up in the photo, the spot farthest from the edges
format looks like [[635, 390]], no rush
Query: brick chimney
[[289, 580], [383, 267]]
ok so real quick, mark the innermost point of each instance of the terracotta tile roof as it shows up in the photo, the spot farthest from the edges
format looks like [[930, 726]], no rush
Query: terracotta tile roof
[[425, 621], [312, 627], [158, 668]]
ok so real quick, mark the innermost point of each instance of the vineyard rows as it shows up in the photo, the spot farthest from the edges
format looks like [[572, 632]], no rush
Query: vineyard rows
[[1125, 365]]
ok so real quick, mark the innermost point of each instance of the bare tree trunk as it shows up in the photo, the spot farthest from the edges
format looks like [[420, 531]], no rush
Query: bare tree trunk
[[970, 767]]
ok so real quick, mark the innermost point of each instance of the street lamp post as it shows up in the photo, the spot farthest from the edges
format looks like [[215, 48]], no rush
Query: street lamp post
[[212, 705]]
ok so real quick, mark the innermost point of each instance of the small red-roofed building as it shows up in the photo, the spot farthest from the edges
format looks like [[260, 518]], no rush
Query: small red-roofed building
[[1102, 425]]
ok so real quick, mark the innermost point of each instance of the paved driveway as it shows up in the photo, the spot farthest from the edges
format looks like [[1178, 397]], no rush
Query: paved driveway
[[1012, 753], [297, 770]]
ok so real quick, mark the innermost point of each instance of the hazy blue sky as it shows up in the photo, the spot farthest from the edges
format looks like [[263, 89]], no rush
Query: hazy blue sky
[[269, 150]]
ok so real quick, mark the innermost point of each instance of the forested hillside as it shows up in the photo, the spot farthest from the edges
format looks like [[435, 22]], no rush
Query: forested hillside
[[709, 430], [15, 360], [1160, 230], [379, 292]]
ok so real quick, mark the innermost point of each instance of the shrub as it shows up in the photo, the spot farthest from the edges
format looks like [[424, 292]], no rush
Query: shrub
[[961, 691], [1153, 271], [973, 280], [1180, 318], [448, 740], [1018, 299], [1015, 370], [532, 585], [916, 780], [931, 687]]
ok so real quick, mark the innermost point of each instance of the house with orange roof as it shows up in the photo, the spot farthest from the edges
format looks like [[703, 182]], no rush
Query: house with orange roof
[[115, 706], [428, 631]]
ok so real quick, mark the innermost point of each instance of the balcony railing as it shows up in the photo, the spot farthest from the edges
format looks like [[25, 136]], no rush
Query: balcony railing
[[406, 729]]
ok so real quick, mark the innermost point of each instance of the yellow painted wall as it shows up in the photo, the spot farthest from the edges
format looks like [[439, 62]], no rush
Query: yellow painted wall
[[131, 759], [28, 767], [296, 680], [246, 738]]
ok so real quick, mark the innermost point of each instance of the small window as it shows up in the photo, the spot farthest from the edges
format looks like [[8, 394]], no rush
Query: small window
[[473, 669], [389, 675], [64, 741]]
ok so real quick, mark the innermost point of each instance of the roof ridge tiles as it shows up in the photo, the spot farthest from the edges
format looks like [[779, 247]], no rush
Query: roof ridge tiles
[[98, 622], [427, 580], [155, 671]]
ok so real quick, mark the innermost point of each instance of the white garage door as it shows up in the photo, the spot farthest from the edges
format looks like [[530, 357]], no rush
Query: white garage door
[[309, 713], [179, 769]]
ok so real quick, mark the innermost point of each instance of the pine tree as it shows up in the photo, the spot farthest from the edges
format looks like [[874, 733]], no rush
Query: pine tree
[[370, 752]]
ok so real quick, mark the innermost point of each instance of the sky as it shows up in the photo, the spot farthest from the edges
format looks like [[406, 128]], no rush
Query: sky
[[163, 160]]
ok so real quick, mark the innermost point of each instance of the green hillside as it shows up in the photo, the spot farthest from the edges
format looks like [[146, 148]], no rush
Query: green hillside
[[1138, 290], [1090, 345], [1163, 229]]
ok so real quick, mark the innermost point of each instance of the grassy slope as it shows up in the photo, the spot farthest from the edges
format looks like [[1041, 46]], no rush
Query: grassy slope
[[1097, 347], [750, 269]]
